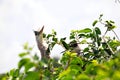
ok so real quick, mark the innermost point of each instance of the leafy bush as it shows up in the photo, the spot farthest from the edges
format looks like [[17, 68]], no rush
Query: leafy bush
[[99, 60]]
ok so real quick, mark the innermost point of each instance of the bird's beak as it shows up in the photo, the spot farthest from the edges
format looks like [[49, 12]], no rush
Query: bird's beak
[[39, 32]]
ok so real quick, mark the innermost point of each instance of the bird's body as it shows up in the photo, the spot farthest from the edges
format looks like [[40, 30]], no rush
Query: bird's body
[[75, 47], [40, 44]]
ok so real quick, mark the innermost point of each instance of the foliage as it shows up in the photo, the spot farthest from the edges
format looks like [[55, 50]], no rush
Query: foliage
[[99, 60]]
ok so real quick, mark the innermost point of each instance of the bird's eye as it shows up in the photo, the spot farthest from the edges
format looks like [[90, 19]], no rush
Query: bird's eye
[[36, 33]]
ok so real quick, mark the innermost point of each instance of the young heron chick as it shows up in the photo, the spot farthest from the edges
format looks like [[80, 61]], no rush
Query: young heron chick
[[41, 46], [75, 47]]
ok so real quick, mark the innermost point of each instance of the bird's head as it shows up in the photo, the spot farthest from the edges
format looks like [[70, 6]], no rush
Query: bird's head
[[74, 45], [39, 35]]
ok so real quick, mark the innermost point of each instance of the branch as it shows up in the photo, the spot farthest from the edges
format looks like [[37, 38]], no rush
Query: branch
[[116, 35], [106, 42]]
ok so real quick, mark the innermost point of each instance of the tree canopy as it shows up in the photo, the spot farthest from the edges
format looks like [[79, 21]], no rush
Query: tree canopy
[[99, 60]]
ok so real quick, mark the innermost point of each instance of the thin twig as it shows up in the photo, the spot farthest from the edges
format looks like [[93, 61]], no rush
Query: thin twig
[[106, 42], [105, 33], [116, 35], [108, 46]]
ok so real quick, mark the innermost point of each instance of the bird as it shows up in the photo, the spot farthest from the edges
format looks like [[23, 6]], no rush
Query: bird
[[40, 43], [75, 47]]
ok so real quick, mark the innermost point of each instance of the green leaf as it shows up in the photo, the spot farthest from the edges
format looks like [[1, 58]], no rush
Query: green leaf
[[112, 21], [116, 75], [23, 54], [97, 30], [108, 51], [52, 45], [114, 43], [12, 72], [94, 23], [83, 77], [83, 41], [44, 35], [104, 45], [62, 39], [32, 75], [110, 25], [88, 55], [36, 57], [86, 30], [74, 31], [16, 73], [29, 66], [91, 69], [49, 35], [54, 32], [111, 28], [76, 61], [99, 41], [72, 36], [30, 48], [55, 39], [82, 35], [94, 36], [47, 73], [65, 57], [100, 18], [63, 74], [22, 62], [98, 38], [65, 45], [86, 49], [25, 46], [76, 69]]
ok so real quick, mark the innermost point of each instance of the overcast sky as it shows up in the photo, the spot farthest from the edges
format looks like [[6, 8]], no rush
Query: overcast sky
[[18, 19]]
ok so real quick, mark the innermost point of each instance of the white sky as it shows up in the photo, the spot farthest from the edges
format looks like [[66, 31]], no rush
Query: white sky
[[18, 19]]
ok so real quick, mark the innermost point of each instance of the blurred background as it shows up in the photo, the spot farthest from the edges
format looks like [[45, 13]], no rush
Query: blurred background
[[18, 19]]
